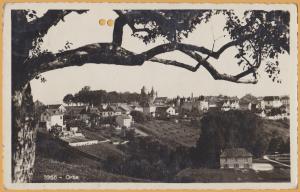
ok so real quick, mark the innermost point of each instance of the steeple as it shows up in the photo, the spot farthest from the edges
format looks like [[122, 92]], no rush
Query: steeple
[[152, 93]]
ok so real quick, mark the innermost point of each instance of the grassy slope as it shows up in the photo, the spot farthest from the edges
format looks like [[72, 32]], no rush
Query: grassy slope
[[171, 133], [53, 158], [187, 135], [84, 172]]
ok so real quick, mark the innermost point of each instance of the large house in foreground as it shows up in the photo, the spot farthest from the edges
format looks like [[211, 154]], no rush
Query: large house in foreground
[[235, 158]]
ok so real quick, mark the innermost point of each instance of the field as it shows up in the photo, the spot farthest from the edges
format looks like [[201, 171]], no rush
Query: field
[[171, 133], [102, 151]]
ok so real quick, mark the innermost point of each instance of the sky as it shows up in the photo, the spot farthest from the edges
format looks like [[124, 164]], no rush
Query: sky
[[168, 81]]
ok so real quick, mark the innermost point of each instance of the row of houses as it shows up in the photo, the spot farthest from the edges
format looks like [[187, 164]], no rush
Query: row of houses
[[270, 106], [120, 113], [263, 106]]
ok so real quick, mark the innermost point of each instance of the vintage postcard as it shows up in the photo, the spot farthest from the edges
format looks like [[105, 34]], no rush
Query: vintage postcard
[[150, 96]]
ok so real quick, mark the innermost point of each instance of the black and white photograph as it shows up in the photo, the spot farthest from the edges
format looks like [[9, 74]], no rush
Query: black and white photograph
[[150, 96]]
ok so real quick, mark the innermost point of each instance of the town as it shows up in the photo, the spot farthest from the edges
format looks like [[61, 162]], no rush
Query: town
[[99, 124]]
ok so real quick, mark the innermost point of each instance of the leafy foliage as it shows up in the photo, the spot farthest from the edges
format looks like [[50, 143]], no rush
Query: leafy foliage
[[97, 97], [232, 129], [138, 116], [170, 24], [266, 34]]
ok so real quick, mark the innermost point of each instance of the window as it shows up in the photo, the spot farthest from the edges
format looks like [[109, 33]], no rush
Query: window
[[236, 166], [246, 166], [61, 117], [226, 166]]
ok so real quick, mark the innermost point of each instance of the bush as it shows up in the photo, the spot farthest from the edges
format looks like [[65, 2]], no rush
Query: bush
[[138, 116]]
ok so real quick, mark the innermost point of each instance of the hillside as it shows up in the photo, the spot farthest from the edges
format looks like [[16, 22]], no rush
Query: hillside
[[84, 173], [279, 127]]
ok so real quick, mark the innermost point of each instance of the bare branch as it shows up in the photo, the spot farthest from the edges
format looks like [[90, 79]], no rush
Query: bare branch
[[175, 63], [218, 76]]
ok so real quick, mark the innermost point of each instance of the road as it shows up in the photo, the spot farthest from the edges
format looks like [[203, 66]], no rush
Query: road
[[271, 160]]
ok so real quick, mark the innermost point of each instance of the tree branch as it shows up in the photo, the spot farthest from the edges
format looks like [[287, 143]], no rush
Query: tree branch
[[176, 63], [218, 76], [40, 26], [113, 53]]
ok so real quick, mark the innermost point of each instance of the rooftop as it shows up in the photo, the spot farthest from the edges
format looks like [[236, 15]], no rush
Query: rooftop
[[53, 112], [271, 98], [235, 152]]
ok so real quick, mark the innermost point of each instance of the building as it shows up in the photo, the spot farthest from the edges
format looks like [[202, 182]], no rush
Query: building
[[272, 101], [52, 117], [110, 111], [165, 111], [245, 105], [137, 107], [200, 105], [230, 105], [58, 107], [160, 101], [235, 158], [149, 109], [285, 100], [125, 109], [87, 112], [73, 112], [124, 120]]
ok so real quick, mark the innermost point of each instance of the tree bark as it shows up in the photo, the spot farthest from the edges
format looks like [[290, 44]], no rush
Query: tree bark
[[23, 134]]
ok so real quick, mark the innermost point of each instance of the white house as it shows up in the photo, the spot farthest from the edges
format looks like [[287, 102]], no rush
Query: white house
[[201, 105], [230, 105], [235, 158], [149, 109], [124, 120], [285, 100], [272, 101], [137, 108], [165, 111], [52, 117]]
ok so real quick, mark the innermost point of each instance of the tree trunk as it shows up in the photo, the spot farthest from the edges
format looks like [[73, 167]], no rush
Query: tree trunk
[[23, 134]]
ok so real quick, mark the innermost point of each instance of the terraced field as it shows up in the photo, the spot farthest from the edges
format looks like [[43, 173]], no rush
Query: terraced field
[[174, 134]]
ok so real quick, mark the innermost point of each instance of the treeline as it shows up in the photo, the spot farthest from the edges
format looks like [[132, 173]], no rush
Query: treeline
[[96, 97]]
